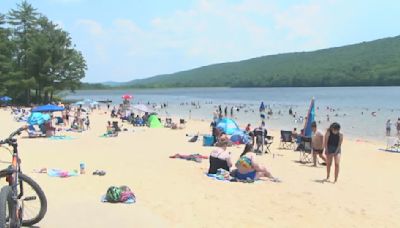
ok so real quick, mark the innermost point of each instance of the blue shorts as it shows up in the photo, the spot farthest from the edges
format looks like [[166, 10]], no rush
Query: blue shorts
[[251, 175]]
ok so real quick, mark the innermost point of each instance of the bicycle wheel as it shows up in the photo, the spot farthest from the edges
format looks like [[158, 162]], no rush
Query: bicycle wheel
[[5, 206], [34, 200]]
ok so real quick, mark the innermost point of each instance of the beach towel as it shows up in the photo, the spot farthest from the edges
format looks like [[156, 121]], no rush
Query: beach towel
[[221, 175], [62, 173], [191, 157], [61, 137], [390, 150]]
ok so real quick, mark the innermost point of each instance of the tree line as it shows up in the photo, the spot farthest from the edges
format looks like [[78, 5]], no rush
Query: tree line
[[374, 63], [37, 57]]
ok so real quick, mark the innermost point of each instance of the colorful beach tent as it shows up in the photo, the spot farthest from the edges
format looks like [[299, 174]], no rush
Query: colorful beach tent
[[37, 118], [48, 108], [309, 119], [240, 137], [154, 122], [228, 126]]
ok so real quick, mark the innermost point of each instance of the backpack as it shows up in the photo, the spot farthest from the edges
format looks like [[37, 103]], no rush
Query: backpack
[[113, 194]]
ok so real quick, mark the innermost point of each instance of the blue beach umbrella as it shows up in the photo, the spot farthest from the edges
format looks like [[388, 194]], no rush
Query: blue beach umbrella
[[5, 98], [310, 119], [48, 108], [37, 118], [79, 103]]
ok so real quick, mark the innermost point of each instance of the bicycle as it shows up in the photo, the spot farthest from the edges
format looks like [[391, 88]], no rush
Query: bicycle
[[14, 200]]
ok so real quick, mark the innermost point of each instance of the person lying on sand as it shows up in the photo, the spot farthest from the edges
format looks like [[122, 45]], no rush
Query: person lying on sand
[[220, 158], [248, 168]]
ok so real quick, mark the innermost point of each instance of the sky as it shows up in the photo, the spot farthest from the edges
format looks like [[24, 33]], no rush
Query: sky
[[123, 40]]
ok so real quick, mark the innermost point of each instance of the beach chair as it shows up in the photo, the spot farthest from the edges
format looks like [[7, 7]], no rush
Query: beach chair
[[393, 144], [305, 150], [262, 140], [182, 123], [268, 142], [287, 142], [168, 122]]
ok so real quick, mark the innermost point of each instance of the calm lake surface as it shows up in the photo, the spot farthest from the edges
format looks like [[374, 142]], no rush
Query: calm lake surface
[[353, 105]]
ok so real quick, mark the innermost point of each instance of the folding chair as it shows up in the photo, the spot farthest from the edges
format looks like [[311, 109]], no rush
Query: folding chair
[[268, 142], [287, 142], [305, 150], [168, 123], [260, 140], [182, 123]]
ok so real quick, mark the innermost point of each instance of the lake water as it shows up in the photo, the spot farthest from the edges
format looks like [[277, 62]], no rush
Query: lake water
[[353, 105]]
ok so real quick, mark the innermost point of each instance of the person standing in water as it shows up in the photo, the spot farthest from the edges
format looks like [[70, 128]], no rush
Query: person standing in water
[[388, 127], [398, 126], [333, 143]]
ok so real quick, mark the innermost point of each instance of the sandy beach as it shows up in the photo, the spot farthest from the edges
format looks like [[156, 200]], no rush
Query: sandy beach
[[177, 193]]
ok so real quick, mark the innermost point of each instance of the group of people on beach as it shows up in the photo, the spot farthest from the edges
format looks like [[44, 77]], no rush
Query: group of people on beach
[[389, 127], [247, 167], [326, 146], [331, 144]]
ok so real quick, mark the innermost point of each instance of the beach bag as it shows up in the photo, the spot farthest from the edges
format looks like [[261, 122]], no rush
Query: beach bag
[[126, 194], [113, 194]]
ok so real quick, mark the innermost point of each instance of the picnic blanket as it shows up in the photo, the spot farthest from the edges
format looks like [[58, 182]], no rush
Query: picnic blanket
[[191, 157]]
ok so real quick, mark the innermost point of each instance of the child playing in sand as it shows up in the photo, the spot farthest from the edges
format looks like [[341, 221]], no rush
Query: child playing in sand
[[333, 143]]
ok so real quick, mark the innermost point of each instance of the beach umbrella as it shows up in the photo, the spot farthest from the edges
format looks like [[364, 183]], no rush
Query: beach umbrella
[[142, 108], [127, 96], [37, 118], [5, 98], [48, 108], [79, 103], [87, 100], [310, 118]]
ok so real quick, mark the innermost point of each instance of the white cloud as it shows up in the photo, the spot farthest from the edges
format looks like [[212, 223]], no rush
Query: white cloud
[[94, 27], [64, 1], [211, 31]]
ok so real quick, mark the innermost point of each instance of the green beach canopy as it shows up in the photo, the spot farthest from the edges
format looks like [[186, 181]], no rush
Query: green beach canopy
[[154, 122]]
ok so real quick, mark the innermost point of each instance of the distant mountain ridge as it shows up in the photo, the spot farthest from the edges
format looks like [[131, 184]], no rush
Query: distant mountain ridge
[[373, 63]]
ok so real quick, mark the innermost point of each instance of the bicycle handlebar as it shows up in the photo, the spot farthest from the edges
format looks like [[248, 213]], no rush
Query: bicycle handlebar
[[17, 132]]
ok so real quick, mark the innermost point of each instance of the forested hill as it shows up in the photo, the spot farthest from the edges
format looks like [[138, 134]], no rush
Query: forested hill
[[375, 63]]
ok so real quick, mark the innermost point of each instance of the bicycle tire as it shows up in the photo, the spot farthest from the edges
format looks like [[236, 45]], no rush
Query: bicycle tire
[[42, 198], [5, 202]]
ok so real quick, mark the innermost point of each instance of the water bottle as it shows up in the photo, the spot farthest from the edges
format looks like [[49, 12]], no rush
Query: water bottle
[[82, 168]]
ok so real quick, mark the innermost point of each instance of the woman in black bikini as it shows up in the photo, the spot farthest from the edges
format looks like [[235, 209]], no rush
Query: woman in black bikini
[[332, 143]]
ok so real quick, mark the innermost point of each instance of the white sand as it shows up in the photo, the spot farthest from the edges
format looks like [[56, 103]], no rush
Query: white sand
[[176, 193]]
